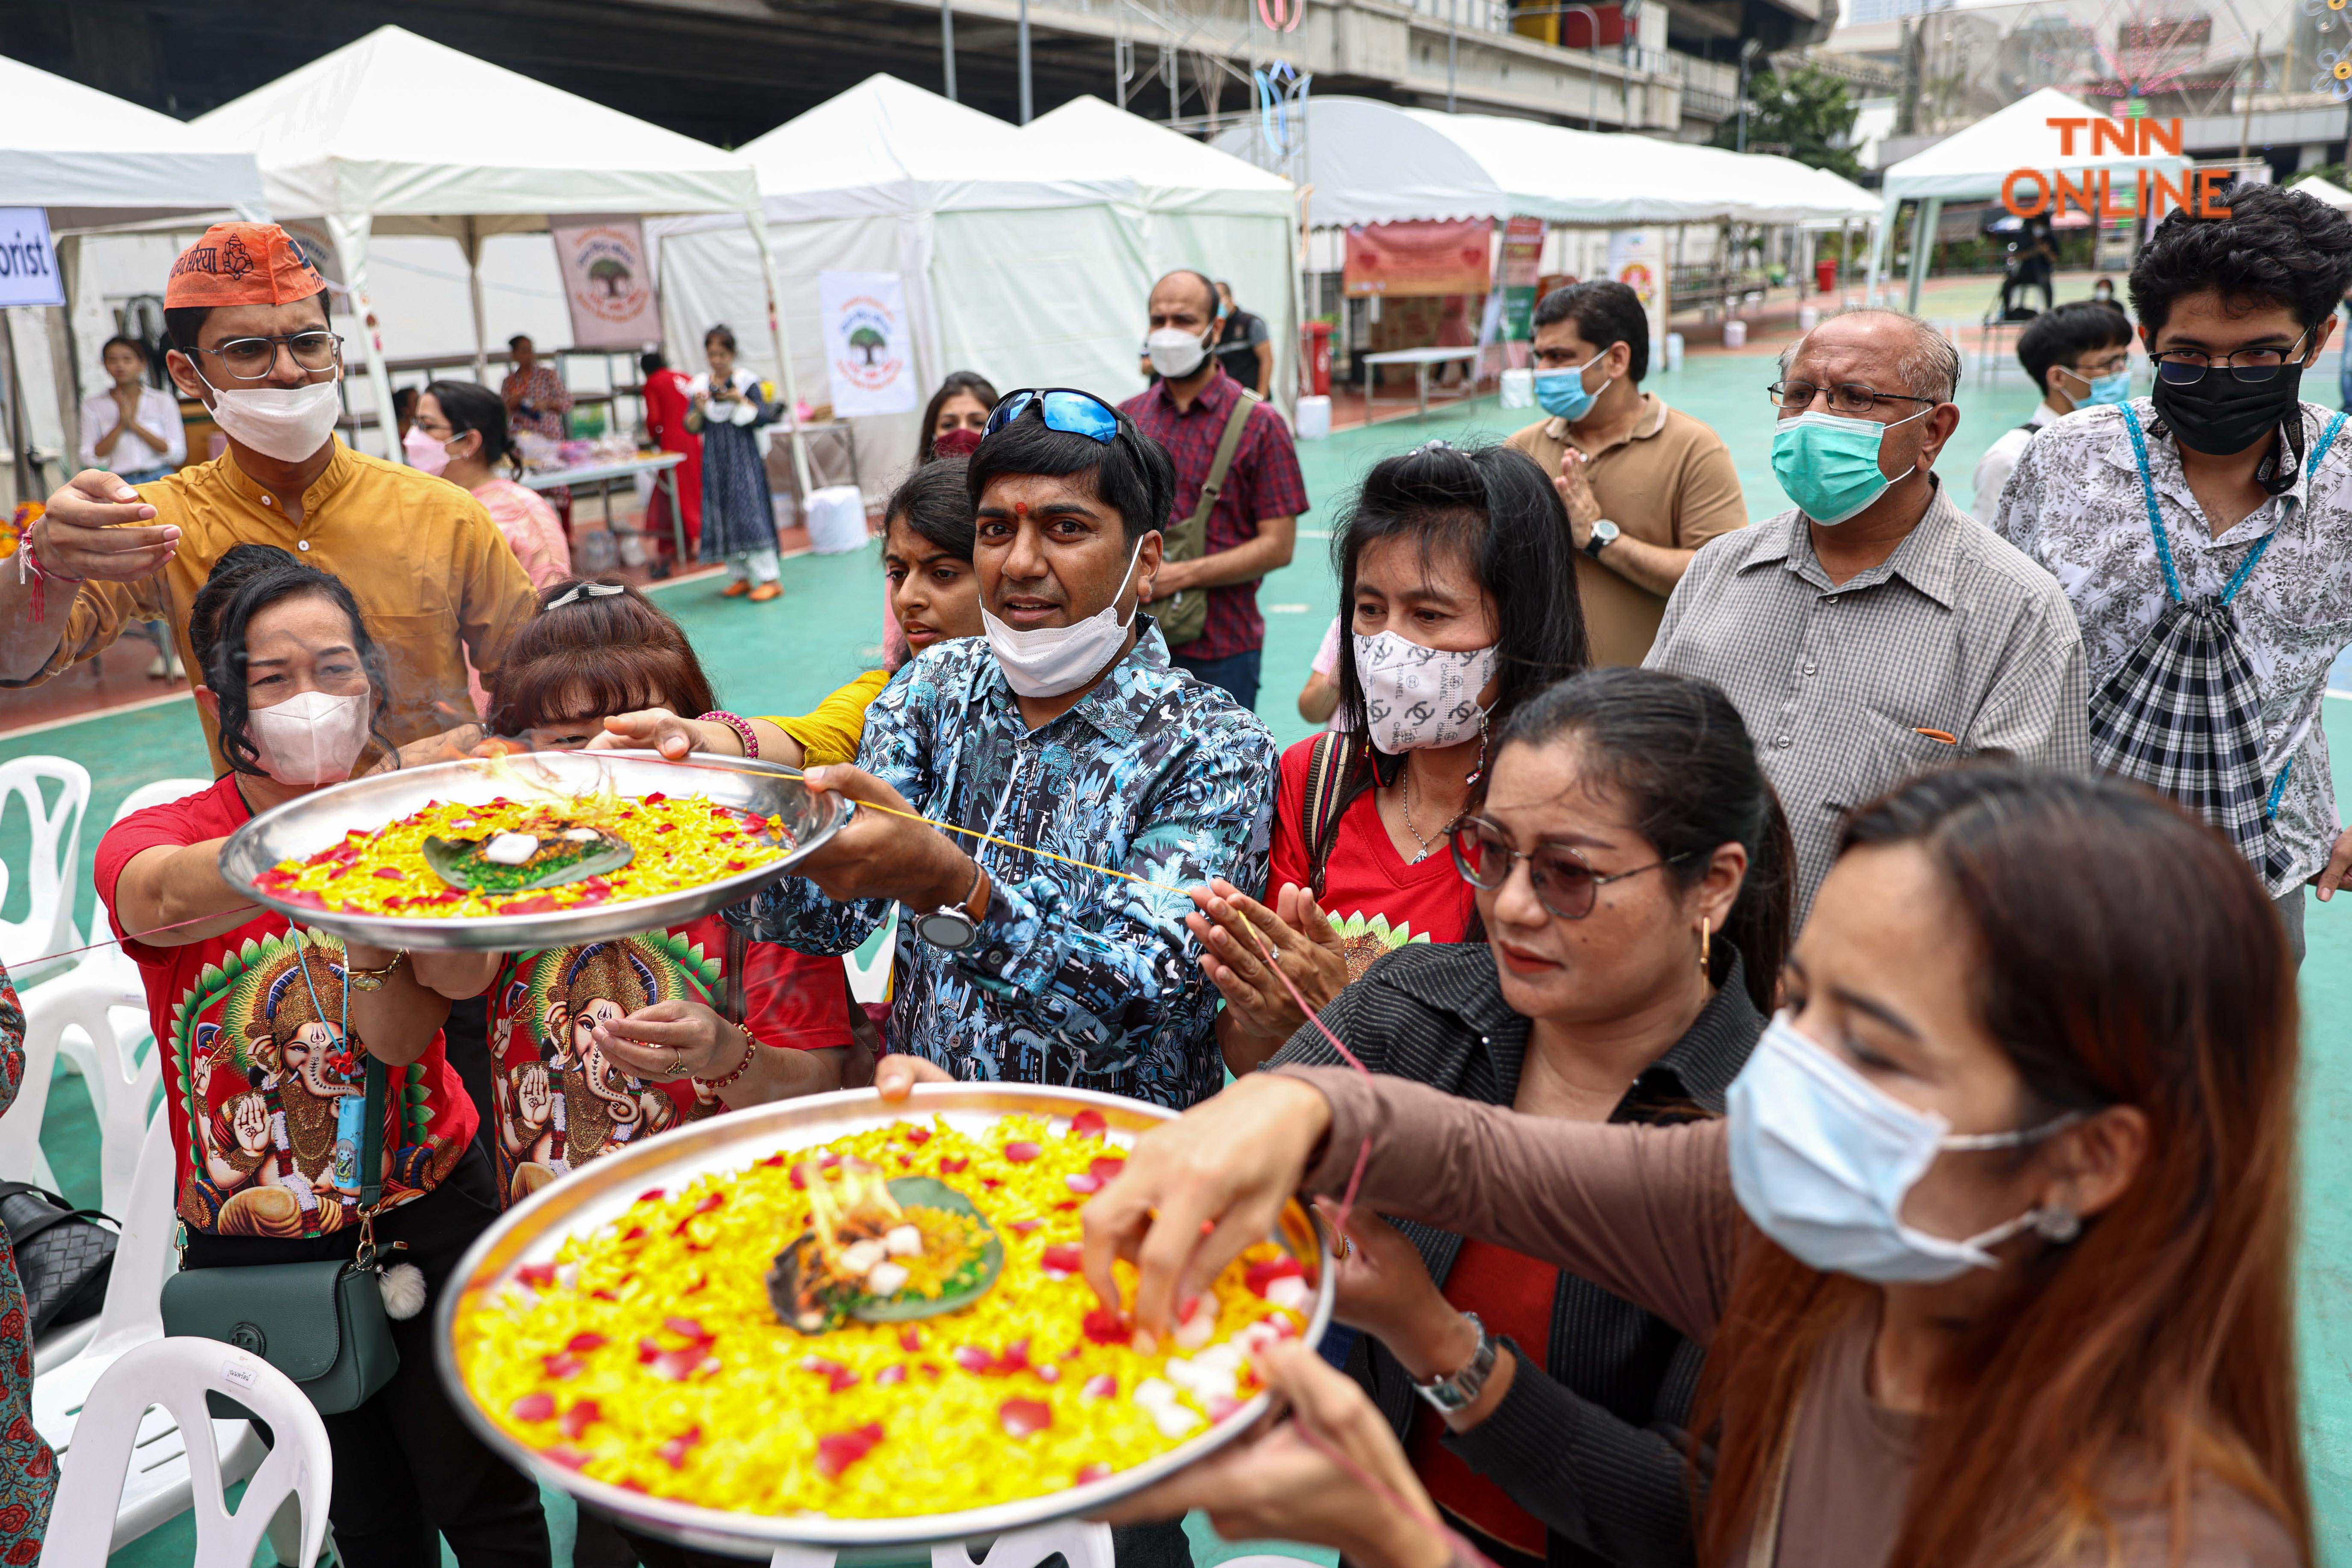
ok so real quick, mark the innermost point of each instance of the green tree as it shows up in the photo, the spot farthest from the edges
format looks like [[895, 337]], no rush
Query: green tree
[[610, 272], [1806, 114], [869, 342]]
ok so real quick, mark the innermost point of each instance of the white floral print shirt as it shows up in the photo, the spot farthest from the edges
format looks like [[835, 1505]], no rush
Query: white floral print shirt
[[2074, 506]]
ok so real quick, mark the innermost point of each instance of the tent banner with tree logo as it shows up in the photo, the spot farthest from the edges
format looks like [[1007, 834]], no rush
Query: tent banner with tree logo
[[608, 283], [869, 352]]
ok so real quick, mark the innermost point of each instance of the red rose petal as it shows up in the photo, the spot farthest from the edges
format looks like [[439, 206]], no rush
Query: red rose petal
[[562, 1364], [1088, 1124], [563, 1453], [891, 1376], [972, 1358], [680, 1364], [688, 1328], [918, 1134], [677, 1448], [534, 1407], [581, 1344], [1025, 1418], [991, 1183], [604, 1295], [953, 1164], [653, 1195], [839, 1450], [1105, 1326], [1107, 1168], [1024, 1227], [389, 873], [538, 1276], [1088, 1474], [1022, 1153], [910, 1340], [1102, 1385], [1259, 1275], [1083, 1184], [833, 1371], [712, 1201], [1063, 1259], [580, 1418]]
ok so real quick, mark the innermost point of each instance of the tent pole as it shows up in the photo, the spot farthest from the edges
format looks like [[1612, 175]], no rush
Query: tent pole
[[474, 295], [1923, 241], [947, 44], [1027, 101], [351, 234], [1878, 248], [27, 479], [759, 222]]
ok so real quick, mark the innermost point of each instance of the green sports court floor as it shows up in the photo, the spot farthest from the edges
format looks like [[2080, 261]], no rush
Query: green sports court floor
[[783, 657]]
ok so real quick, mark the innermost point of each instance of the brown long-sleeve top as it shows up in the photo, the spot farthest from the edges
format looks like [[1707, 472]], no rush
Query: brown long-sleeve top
[[1648, 1213]]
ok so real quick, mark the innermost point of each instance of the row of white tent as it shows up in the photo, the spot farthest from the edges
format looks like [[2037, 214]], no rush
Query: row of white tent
[[1025, 253]]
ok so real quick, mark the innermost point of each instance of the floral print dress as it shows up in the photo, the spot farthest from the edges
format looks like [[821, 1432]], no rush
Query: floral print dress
[[28, 1470]]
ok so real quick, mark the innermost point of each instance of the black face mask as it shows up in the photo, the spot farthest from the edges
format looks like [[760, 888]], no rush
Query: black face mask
[[2219, 414]]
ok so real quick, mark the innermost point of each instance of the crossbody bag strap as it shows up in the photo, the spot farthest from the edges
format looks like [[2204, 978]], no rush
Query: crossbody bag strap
[[1319, 811], [2147, 495], [2246, 567], [371, 1138], [1229, 442]]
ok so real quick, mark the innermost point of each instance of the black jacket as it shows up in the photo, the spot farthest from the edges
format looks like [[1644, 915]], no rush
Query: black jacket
[[1591, 1441]]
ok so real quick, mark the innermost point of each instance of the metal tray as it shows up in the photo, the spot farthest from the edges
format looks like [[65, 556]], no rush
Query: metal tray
[[593, 1197], [302, 827]]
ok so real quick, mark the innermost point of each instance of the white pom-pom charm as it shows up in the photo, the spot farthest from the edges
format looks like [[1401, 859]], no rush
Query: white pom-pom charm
[[402, 1285]]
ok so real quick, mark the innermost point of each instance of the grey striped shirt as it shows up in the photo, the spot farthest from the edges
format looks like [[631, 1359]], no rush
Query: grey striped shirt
[[1957, 632]]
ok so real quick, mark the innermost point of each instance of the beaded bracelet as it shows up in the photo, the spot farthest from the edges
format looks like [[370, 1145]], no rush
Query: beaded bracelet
[[740, 726], [750, 1049]]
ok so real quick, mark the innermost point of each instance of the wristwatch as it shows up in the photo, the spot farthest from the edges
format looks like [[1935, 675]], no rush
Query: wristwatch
[[954, 926], [1462, 1390], [1604, 535]]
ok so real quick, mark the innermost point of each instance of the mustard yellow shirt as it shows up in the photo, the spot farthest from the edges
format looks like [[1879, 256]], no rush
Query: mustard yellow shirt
[[831, 734], [433, 576]]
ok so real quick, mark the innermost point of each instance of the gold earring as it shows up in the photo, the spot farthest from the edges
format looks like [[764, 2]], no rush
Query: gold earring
[[1703, 968]]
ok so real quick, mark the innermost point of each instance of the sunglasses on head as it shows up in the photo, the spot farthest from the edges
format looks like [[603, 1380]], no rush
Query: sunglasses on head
[[1065, 409], [1564, 884]]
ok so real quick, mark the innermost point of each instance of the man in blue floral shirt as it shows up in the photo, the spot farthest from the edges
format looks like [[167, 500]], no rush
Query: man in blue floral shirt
[[1068, 730]]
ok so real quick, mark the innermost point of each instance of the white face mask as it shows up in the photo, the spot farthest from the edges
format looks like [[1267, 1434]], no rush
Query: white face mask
[[288, 422], [311, 738], [1821, 1158], [1047, 661], [1418, 697], [1175, 352]]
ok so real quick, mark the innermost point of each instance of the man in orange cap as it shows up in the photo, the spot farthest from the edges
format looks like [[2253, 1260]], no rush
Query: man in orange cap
[[251, 338]]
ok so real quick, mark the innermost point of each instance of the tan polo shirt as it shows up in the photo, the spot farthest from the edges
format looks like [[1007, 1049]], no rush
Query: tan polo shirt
[[1670, 483], [432, 577]]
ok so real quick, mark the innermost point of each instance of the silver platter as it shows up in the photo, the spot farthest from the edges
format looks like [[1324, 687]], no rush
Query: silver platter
[[595, 1195], [302, 827]]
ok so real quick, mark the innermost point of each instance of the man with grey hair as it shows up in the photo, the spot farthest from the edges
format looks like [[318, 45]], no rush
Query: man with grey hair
[[1874, 630]]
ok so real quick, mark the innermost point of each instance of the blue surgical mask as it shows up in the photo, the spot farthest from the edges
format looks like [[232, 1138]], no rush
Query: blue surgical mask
[[2115, 388], [1561, 392], [1823, 1159], [1828, 464]]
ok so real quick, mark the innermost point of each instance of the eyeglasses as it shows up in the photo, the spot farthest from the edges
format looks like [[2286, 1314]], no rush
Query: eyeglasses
[[1069, 411], [1851, 398], [253, 359], [1563, 882], [2187, 367]]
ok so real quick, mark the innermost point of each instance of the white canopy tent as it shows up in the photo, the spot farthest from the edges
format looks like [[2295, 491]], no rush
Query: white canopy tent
[[94, 161], [2327, 191], [1369, 163], [1972, 165], [1025, 256], [397, 134]]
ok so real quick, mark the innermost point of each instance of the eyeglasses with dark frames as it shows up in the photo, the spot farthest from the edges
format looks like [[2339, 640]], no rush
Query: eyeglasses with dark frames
[[2187, 367], [1564, 882], [1851, 398]]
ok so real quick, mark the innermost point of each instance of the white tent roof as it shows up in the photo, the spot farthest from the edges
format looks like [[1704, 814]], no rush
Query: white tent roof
[[423, 137], [2327, 191], [1374, 162], [95, 160], [888, 146], [1971, 164], [1171, 168]]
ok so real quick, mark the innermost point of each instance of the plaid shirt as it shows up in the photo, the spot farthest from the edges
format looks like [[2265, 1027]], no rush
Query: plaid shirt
[[1264, 482], [2074, 506], [1957, 632]]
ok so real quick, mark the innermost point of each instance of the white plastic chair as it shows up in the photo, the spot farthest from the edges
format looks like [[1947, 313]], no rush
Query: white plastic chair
[[85, 1016], [53, 866], [160, 1486], [117, 1443], [1081, 1544]]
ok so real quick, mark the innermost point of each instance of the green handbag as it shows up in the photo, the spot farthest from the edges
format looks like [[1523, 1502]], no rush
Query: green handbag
[[321, 1325]]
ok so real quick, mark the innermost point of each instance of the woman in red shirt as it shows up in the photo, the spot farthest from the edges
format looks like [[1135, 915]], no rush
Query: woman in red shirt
[[666, 406], [265, 1028], [1457, 581]]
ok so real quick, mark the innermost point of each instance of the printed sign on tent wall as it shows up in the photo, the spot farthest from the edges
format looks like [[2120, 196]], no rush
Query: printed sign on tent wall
[[1418, 258], [1635, 260], [869, 353], [1523, 243], [28, 262], [608, 284]]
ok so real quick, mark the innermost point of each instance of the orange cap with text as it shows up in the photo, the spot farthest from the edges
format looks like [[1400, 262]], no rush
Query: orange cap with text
[[242, 264]]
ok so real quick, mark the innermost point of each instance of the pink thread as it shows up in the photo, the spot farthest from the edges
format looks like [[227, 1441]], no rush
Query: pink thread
[[136, 935], [1379, 1488], [1364, 1153]]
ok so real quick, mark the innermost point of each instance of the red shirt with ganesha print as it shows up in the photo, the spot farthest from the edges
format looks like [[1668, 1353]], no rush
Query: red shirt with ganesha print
[[258, 1061], [560, 1103]]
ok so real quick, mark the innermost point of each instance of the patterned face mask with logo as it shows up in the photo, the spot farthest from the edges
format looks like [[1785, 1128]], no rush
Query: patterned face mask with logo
[[1416, 698]]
